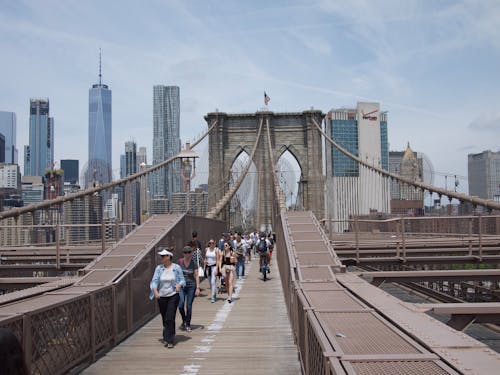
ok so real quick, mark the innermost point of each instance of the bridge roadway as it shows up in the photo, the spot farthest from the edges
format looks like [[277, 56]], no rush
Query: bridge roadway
[[252, 335]]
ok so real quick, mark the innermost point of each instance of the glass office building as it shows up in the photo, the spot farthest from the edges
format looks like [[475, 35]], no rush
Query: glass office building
[[351, 189], [71, 170], [8, 129], [344, 130], [130, 158], [39, 154], [99, 167]]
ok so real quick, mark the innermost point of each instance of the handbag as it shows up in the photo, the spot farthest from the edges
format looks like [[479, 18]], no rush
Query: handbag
[[201, 272]]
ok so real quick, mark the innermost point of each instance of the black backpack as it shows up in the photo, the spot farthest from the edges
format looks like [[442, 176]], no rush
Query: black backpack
[[262, 245]]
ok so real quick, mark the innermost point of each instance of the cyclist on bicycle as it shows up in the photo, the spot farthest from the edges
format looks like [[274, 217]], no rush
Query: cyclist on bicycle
[[263, 245]]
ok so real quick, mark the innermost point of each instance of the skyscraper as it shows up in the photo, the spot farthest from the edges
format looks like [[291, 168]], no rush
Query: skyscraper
[[130, 158], [484, 174], [99, 167], [166, 140], [351, 189], [8, 129], [39, 154], [142, 157], [70, 168], [2, 148], [404, 198]]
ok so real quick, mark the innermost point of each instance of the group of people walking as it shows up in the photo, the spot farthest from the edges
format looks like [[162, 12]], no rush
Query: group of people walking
[[175, 285]]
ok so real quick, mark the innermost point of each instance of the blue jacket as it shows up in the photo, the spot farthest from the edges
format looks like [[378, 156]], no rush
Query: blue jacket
[[155, 281]]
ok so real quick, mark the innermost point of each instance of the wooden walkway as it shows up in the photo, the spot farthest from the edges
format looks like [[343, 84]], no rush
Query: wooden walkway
[[252, 335]]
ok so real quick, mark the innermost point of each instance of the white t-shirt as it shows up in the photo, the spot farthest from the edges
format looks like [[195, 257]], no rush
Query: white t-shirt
[[167, 283]]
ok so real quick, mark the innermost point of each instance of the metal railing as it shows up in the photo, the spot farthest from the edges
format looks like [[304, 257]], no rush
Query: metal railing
[[467, 235], [69, 327]]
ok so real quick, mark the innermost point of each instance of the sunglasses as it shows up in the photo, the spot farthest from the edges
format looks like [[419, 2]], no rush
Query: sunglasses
[[187, 252]]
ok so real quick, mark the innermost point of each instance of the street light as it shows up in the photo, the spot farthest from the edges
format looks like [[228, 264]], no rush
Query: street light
[[188, 171]]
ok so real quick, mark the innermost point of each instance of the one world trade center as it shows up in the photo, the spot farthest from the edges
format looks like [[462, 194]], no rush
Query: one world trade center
[[99, 167]]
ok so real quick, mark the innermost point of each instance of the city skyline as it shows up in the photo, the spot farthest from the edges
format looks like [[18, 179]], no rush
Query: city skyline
[[432, 66]]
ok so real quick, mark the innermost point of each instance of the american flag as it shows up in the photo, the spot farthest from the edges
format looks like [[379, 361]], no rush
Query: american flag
[[266, 98]]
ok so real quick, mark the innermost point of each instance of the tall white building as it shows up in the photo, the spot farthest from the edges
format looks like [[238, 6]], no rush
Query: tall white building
[[10, 178], [166, 140], [351, 189], [8, 129]]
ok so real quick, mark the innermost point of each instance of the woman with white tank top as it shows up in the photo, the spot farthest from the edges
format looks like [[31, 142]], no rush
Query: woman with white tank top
[[212, 257]]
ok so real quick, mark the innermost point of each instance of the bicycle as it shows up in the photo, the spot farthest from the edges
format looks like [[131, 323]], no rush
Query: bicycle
[[264, 266]]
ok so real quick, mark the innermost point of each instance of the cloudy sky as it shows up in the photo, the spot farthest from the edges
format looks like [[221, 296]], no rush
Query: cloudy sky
[[434, 65]]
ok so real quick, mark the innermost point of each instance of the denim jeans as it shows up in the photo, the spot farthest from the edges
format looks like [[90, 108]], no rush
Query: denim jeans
[[211, 273], [187, 297], [168, 308], [240, 267]]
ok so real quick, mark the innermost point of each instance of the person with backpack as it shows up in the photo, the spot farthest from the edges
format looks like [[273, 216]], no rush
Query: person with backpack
[[263, 246]]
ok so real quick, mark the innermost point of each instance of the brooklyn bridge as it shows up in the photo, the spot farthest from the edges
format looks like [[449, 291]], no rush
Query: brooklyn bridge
[[346, 294]]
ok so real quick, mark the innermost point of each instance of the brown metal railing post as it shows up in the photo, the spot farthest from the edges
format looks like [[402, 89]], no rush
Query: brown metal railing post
[[130, 304], [356, 237], [403, 238], [330, 229], [117, 231], [306, 341], [58, 255], [470, 236], [480, 224], [103, 235], [92, 328], [114, 315], [397, 238], [27, 344]]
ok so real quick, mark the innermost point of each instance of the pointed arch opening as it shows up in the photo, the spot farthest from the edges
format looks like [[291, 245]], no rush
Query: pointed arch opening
[[244, 202], [290, 175]]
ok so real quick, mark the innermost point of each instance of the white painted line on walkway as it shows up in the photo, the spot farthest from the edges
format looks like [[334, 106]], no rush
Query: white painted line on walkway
[[216, 325]]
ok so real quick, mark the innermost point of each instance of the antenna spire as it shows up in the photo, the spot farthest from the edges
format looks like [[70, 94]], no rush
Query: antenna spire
[[100, 75]]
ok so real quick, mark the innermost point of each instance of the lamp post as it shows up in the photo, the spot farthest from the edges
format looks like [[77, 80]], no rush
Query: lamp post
[[188, 171]]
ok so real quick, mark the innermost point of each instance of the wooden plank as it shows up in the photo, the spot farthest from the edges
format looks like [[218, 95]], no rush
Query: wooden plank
[[251, 335]]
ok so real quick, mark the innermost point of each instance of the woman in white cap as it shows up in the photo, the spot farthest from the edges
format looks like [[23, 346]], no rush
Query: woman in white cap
[[165, 286]]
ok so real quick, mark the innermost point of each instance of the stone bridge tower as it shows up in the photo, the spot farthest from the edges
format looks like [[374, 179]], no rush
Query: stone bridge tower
[[293, 132]]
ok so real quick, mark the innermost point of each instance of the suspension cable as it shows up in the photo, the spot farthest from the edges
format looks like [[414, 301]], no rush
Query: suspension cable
[[492, 205], [195, 143], [16, 212], [277, 188]]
